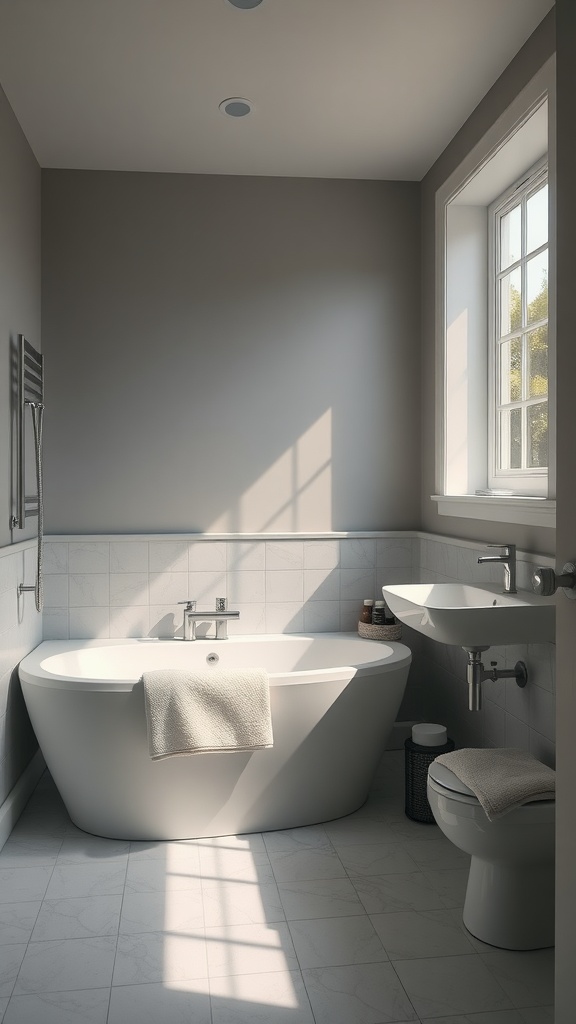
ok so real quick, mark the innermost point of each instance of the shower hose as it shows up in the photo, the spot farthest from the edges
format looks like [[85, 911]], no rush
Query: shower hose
[[37, 422]]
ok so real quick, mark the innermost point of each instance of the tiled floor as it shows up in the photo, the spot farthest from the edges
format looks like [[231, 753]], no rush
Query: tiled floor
[[356, 921]]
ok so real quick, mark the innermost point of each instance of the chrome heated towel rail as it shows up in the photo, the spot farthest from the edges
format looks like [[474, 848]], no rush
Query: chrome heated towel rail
[[29, 394]]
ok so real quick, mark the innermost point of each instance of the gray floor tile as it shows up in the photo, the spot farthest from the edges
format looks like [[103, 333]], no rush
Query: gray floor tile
[[30, 851], [166, 1003], [66, 965], [78, 918], [159, 957], [18, 885], [11, 958], [101, 878], [381, 894], [181, 913], [436, 854], [411, 933], [293, 839], [84, 1007], [336, 940], [334, 897], [229, 903], [440, 986], [85, 849], [156, 876], [527, 977], [449, 883], [249, 949], [377, 859], [347, 832], [278, 997], [306, 864], [17, 921], [537, 1015], [362, 993], [491, 1017]]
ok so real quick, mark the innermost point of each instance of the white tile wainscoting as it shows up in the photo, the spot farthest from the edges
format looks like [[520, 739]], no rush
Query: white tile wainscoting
[[20, 632], [117, 587], [130, 586]]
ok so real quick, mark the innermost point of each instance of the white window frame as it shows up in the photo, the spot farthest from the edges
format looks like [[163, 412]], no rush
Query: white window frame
[[528, 510], [532, 482]]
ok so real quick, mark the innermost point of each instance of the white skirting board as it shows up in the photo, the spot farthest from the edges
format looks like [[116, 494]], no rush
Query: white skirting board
[[19, 796]]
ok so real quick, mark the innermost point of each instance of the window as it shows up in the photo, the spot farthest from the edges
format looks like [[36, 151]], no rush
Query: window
[[518, 404], [495, 412]]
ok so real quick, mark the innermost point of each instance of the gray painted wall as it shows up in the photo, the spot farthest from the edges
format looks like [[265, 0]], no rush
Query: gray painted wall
[[536, 51], [20, 625], [230, 353], [566, 459], [19, 280]]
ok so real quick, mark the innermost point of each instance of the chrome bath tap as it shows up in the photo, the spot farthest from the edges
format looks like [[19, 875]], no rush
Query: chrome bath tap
[[508, 560], [220, 617]]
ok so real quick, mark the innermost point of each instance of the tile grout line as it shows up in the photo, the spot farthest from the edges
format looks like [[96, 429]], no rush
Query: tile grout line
[[41, 901], [118, 935]]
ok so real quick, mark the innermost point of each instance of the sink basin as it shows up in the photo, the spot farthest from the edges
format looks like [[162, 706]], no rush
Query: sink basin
[[472, 616]]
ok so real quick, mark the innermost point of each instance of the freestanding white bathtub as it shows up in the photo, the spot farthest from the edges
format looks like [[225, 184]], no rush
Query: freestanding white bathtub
[[334, 699]]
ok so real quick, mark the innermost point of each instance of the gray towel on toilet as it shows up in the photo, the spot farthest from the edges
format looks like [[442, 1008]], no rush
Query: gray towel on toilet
[[502, 778]]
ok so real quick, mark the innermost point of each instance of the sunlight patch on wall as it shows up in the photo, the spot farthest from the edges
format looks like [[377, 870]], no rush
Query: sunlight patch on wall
[[293, 494]]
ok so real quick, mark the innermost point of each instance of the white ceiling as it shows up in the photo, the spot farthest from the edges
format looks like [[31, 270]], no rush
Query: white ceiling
[[340, 88]]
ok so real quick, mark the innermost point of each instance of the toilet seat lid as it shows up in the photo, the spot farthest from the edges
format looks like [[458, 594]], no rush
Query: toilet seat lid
[[444, 777]]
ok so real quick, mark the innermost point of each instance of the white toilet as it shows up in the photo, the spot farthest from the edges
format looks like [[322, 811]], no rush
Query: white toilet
[[510, 895]]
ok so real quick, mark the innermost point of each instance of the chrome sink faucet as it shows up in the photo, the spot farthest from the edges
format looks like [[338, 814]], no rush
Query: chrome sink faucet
[[508, 560], [220, 617]]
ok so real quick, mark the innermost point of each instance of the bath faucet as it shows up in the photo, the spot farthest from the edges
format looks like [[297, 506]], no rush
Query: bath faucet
[[508, 560], [220, 617]]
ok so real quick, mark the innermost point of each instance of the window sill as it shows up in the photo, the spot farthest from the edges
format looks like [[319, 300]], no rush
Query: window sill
[[498, 509]]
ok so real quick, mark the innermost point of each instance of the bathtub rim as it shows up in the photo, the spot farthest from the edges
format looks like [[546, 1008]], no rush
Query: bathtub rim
[[395, 655]]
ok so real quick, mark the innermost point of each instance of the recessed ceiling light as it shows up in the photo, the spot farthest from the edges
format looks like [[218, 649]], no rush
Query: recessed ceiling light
[[245, 5], [235, 106]]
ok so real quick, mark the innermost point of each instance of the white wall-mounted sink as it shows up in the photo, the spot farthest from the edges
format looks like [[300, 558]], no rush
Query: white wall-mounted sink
[[472, 616]]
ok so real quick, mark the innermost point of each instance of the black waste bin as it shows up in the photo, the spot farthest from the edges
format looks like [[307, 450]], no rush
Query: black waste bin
[[417, 760]]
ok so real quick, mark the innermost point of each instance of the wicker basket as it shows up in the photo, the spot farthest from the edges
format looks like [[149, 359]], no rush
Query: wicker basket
[[369, 632], [417, 760]]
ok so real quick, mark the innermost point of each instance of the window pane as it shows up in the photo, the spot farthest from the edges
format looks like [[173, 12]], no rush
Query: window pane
[[511, 439], [538, 435], [510, 302], [538, 362], [537, 219], [511, 237], [511, 371], [537, 287]]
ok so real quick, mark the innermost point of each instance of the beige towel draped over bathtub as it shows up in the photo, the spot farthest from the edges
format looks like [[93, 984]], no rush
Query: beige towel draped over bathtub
[[198, 712]]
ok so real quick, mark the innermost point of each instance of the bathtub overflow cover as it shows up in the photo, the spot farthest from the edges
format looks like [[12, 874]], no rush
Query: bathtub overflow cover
[[212, 659]]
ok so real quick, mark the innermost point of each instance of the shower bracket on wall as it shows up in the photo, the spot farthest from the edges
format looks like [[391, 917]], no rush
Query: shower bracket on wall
[[30, 508]]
